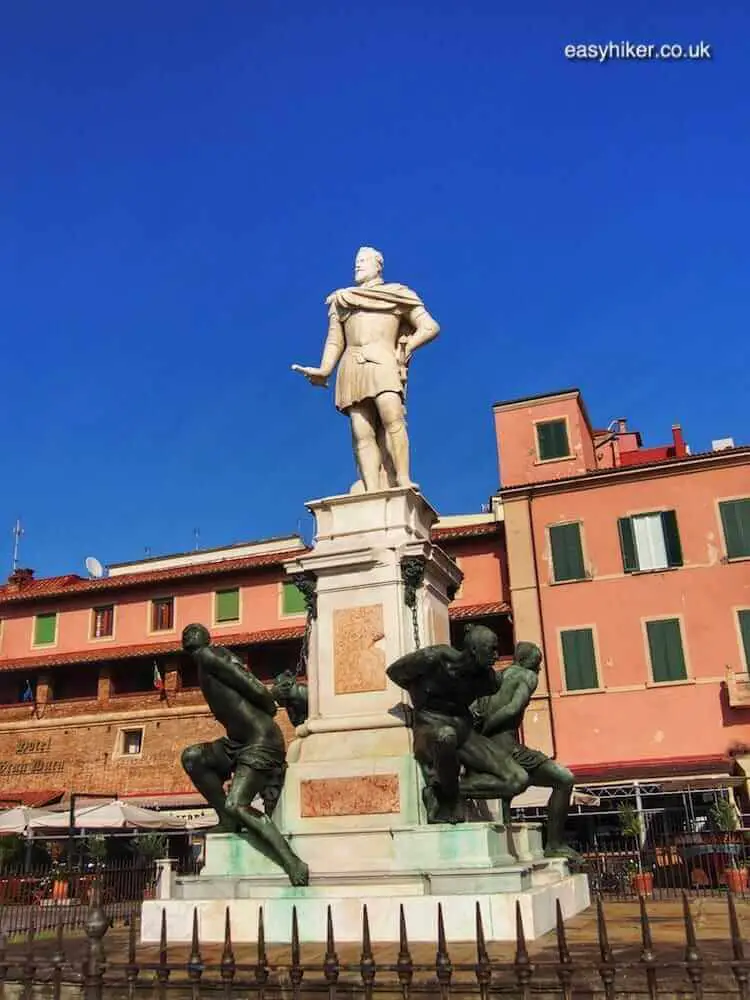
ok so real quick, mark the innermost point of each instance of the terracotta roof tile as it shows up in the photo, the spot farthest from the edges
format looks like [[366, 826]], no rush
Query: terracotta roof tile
[[623, 770], [460, 612], [101, 655], [71, 585], [466, 530]]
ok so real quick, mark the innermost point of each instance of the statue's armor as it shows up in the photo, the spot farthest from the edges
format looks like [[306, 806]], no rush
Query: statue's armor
[[369, 364]]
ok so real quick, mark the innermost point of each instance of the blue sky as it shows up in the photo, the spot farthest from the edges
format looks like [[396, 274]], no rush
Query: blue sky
[[183, 183]]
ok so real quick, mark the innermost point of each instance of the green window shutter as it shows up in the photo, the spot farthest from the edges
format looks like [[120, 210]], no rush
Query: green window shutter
[[567, 552], [671, 538], [735, 519], [45, 629], [665, 649], [744, 620], [579, 659], [552, 436], [292, 600], [228, 605], [627, 545]]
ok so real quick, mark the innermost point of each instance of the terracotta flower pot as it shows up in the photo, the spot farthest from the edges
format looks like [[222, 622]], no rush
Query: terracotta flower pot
[[737, 879], [642, 883]]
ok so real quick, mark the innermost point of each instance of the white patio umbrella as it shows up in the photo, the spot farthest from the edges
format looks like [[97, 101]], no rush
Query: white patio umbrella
[[23, 819], [118, 815]]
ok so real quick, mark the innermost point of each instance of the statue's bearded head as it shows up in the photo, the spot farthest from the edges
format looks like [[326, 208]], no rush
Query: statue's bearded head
[[368, 264]]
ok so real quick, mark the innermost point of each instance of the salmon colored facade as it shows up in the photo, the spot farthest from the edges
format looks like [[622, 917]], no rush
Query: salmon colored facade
[[630, 567], [95, 696]]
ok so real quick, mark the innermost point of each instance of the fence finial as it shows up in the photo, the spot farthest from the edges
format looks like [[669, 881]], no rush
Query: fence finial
[[565, 968], [607, 969], [331, 959], [195, 962], [483, 967], [404, 964], [693, 959], [367, 967], [296, 972], [261, 965], [648, 956], [443, 964]]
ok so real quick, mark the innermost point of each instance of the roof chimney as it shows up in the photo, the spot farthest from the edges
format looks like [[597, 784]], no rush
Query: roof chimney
[[622, 425], [20, 578], [678, 441]]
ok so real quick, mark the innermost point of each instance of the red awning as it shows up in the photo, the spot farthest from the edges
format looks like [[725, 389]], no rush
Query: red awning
[[32, 799]]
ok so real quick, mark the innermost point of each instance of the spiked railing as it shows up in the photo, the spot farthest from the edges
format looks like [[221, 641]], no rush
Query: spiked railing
[[548, 968]]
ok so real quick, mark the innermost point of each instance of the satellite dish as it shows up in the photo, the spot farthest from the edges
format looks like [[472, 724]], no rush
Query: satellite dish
[[94, 567]]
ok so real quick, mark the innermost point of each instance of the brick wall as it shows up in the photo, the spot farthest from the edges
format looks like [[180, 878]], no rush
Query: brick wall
[[77, 746]]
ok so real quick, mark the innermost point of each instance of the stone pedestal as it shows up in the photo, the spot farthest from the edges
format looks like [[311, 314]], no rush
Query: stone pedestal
[[351, 805], [420, 866], [351, 765]]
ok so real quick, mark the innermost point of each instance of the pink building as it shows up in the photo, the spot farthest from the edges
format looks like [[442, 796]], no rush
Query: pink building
[[630, 567]]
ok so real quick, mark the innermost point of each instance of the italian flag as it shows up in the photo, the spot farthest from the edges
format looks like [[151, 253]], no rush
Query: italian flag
[[158, 680]]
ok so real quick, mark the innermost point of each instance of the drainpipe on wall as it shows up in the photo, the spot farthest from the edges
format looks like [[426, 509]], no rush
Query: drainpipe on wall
[[542, 629]]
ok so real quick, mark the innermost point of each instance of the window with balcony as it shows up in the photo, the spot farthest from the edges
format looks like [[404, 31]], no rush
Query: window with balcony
[[45, 629], [567, 552], [292, 599], [579, 659], [103, 622], [666, 650], [162, 614], [552, 440], [650, 541], [735, 522], [227, 605]]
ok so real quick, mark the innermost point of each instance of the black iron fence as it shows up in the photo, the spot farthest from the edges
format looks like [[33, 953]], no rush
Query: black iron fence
[[96, 976], [52, 896], [669, 863]]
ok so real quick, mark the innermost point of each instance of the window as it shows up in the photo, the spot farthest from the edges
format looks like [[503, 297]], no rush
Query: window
[[132, 676], [579, 659], [45, 629], [743, 619], [104, 622], [132, 741], [227, 605], [665, 650], [162, 614], [567, 552], [650, 541], [552, 440], [292, 599], [735, 520]]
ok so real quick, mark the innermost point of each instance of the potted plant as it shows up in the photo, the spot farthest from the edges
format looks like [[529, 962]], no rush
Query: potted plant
[[641, 882], [724, 816]]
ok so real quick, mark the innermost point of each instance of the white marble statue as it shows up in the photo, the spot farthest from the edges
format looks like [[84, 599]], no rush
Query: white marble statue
[[373, 330]]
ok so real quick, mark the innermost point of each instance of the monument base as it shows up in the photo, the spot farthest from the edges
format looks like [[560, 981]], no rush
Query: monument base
[[457, 866]]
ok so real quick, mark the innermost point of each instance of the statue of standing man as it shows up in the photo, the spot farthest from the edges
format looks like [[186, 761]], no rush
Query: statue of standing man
[[373, 330]]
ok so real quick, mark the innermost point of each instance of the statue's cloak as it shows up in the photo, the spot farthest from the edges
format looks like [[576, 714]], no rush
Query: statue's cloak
[[382, 297]]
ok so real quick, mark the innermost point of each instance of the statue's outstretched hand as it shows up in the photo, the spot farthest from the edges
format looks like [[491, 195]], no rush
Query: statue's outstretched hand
[[313, 375]]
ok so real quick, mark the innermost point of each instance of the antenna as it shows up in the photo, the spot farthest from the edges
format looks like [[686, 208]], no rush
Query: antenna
[[196, 536], [94, 567], [17, 532]]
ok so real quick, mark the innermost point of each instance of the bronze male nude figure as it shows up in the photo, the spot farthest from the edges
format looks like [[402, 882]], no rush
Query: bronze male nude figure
[[252, 753], [498, 718], [443, 682]]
